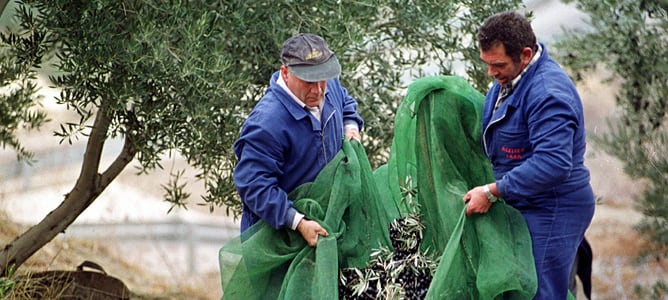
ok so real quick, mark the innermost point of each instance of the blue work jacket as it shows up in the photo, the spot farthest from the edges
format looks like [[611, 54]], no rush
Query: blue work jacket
[[282, 146], [536, 139]]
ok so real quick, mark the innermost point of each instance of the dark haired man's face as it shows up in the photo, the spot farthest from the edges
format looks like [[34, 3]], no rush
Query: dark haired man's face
[[501, 66]]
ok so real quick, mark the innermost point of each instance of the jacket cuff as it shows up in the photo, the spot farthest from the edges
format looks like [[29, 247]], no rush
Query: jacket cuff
[[350, 123], [501, 188], [294, 217]]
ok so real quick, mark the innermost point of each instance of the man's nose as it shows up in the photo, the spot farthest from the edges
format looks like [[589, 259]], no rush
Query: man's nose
[[318, 87], [491, 71]]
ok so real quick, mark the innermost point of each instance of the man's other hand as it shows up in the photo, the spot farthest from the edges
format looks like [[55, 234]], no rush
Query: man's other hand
[[353, 134], [310, 230]]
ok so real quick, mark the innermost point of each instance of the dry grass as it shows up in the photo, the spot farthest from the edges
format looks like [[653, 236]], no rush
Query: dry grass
[[617, 247], [27, 289]]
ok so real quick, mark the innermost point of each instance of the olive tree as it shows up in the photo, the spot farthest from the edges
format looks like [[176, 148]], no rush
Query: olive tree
[[629, 39], [180, 77]]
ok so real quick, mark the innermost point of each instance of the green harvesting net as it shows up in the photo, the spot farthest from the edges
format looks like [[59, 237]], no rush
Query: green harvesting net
[[435, 159]]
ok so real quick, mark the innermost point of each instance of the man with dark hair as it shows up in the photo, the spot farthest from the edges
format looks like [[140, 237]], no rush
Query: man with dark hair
[[297, 127], [534, 135]]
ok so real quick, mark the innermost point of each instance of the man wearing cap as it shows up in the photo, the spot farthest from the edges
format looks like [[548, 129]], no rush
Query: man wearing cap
[[297, 127]]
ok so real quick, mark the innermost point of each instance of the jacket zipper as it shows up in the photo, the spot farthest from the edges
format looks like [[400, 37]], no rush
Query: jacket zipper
[[484, 134]]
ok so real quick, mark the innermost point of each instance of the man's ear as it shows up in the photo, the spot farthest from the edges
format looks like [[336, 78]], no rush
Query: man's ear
[[526, 55], [284, 72]]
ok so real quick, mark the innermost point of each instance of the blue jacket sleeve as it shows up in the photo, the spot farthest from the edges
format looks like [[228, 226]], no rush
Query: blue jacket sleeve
[[256, 177]]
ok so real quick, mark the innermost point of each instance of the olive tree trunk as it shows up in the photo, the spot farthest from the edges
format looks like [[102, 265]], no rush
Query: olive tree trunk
[[88, 187]]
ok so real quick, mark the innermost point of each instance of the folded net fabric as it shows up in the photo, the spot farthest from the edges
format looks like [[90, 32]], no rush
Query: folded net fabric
[[436, 157]]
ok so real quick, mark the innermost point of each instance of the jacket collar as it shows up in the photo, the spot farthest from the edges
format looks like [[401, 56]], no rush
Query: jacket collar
[[534, 59], [519, 85], [297, 111]]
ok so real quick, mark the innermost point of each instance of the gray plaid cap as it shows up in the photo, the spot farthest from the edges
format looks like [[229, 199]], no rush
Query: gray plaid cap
[[308, 57]]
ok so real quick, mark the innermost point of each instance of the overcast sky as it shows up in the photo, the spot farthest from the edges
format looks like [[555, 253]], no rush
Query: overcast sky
[[551, 16]]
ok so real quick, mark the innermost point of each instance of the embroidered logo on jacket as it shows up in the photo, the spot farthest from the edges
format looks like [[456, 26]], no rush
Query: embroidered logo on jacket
[[513, 153]]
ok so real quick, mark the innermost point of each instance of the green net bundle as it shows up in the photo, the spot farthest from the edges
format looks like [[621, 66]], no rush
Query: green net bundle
[[435, 159]]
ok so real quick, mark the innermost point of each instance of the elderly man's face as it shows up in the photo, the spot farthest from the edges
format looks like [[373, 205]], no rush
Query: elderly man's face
[[311, 93]]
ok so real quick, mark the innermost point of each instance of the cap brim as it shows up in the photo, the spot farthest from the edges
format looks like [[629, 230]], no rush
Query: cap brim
[[322, 72]]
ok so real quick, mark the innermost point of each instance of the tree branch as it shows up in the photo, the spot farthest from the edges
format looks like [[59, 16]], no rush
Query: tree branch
[[3, 5], [118, 165], [88, 187]]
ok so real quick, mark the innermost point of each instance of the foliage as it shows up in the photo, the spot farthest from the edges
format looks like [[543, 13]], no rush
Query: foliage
[[382, 45], [19, 102], [629, 38], [404, 272], [159, 70], [179, 77]]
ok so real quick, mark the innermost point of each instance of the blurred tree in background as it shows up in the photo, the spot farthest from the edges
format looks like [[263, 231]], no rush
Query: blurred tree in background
[[19, 103], [179, 77], [629, 39]]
